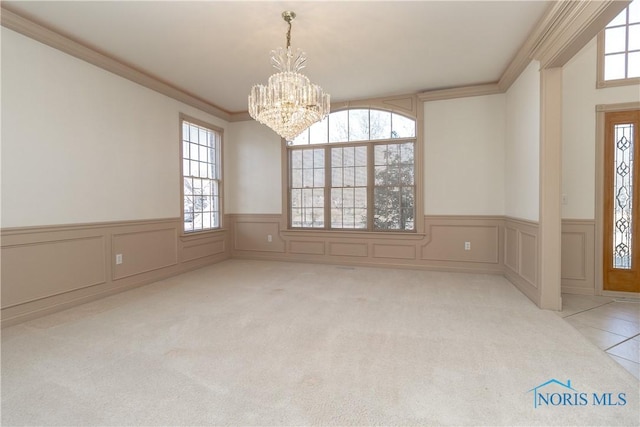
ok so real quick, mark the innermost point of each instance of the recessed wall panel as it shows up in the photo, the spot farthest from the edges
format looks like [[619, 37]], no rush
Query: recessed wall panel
[[528, 257], [447, 243], [302, 247], [35, 271], [348, 249], [144, 251]]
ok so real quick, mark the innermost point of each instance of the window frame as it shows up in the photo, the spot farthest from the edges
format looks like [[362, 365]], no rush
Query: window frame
[[219, 179], [600, 80], [407, 106]]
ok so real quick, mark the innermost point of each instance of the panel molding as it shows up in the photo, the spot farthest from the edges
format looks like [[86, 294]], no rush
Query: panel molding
[[21, 264], [565, 28], [153, 251], [510, 238], [521, 244], [578, 256], [399, 250], [139, 244]]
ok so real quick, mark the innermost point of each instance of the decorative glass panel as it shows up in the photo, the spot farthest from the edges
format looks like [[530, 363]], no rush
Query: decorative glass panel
[[623, 196]]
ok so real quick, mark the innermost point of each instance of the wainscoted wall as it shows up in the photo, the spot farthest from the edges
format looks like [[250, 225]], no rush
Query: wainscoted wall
[[578, 256], [442, 246], [46, 269], [521, 255]]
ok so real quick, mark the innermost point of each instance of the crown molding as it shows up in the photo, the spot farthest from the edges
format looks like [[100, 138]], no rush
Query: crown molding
[[564, 29], [460, 92], [240, 116], [38, 32], [570, 25]]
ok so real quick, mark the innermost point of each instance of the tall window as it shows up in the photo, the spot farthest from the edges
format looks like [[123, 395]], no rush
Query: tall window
[[619, 45], [201, 176], [355, 170]]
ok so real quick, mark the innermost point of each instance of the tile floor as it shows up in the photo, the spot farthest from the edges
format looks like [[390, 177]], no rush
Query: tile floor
[[612, 324]]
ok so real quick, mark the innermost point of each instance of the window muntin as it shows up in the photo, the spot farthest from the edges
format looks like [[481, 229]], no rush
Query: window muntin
[[369, 173], [357, 125], [349, 187], [394, 191], [201, 177], [621, 47], [306, 181]]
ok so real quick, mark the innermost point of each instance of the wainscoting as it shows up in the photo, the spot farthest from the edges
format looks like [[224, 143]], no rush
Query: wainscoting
[[46, 269], [578, 256], [521, 256], [441, 247]]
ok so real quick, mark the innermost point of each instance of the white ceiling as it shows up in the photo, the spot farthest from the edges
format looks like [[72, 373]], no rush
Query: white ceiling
[[217, 50]]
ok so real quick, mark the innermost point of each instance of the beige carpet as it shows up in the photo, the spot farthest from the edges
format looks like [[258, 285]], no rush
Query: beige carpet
[[266, 343]]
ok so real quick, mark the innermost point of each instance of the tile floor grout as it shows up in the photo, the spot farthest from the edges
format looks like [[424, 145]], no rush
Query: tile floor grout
[[622, 342], [612, 313], [588, 309]]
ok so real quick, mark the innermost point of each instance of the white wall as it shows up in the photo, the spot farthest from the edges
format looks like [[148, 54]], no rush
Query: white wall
[[580, 97], [80, 144], [254, 167], [464, 156], [522, 145]]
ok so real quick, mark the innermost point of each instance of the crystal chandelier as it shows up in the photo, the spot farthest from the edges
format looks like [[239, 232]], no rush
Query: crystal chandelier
[[289, 103]]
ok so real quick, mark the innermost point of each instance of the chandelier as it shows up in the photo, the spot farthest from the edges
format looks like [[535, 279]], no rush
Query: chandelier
[[289, 103]]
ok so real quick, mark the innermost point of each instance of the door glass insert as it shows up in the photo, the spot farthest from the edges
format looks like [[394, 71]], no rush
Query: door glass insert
[[623, 196]]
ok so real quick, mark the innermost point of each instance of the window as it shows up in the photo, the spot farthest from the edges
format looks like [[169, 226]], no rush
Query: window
[[354, 170], [201, 176], [619, 49]]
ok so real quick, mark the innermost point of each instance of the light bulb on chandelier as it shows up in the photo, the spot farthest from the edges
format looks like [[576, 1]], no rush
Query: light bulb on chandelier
[[289, 103]]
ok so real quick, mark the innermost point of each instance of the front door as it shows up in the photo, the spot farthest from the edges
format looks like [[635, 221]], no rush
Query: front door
[[622, 202]]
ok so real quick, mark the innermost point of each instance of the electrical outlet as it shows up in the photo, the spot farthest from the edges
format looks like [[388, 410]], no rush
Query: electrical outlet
[[118, 258], [269, 238], [467, 246]]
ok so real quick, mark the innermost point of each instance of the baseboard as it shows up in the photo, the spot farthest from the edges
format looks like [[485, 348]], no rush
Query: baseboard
[[51, 268], [440, 247]]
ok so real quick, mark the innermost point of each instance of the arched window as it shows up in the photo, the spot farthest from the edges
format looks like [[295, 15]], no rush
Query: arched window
[[355, 170]]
